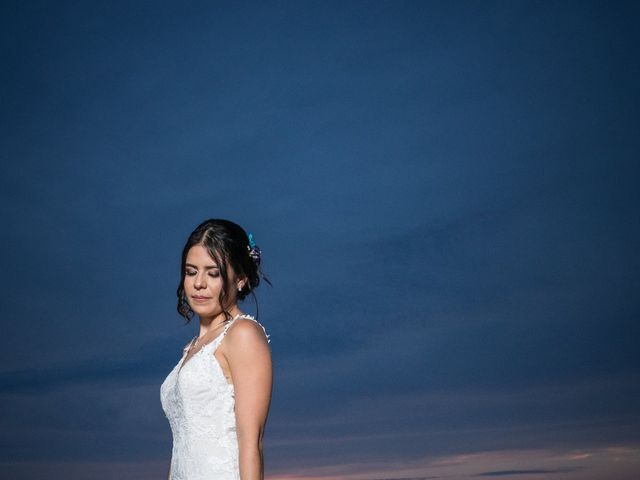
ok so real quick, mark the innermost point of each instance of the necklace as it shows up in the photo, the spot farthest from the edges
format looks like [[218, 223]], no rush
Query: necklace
[[194, 342], [196, 339]]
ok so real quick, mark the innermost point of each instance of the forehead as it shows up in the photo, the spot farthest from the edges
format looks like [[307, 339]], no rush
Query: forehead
[[199, 255]]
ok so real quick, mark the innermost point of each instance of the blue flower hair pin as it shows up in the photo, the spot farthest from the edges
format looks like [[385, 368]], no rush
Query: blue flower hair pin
[[254, 250]]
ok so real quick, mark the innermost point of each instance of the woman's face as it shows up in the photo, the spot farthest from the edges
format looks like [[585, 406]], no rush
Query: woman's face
[[203, 283]]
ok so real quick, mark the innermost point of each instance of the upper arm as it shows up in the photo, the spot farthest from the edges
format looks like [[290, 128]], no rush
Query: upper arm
[[250, 363]]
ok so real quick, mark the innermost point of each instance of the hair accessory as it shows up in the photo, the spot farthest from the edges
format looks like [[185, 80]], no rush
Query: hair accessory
[[254, 250]]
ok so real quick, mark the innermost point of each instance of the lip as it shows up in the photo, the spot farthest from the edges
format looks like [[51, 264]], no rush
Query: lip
[[200, 299]]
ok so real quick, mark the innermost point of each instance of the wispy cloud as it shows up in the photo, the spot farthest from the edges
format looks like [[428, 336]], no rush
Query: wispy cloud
[[539, 471], [556, 463]]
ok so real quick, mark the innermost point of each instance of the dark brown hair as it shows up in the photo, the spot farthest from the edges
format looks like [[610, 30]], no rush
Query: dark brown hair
[[227, 243]]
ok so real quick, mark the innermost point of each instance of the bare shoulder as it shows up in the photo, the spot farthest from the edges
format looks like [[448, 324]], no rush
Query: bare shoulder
[[246, 331]]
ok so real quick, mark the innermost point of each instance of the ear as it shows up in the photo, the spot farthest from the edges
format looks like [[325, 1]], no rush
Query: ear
[[241, 283]]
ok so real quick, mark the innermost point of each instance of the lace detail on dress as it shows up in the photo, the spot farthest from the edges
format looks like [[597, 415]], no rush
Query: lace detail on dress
[[200, 406]]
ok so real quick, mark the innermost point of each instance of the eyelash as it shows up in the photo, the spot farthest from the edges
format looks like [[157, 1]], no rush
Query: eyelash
[[191, 273]]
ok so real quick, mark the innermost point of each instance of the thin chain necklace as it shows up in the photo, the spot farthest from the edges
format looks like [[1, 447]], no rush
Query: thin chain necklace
[[196, 339]]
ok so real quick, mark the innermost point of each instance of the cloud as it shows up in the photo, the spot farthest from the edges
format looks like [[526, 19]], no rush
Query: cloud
[[556, 463], [544, 471], [145, 365], [450, 200]]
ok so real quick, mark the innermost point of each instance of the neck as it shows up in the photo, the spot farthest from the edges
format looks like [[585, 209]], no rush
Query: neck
[[209, 324]]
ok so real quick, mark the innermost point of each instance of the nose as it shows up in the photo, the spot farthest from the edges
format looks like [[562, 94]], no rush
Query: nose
[[200, 281]]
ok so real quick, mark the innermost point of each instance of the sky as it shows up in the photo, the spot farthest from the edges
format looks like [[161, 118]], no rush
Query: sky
[[445, 195]]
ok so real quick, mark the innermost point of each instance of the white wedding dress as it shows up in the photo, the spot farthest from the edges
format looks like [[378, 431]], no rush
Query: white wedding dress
[[199, 404]]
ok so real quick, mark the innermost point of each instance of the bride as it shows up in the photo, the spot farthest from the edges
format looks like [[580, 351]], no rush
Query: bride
[[217, 397]]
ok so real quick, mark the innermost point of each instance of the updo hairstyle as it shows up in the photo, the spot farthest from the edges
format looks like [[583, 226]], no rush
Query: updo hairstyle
[[228, 244]]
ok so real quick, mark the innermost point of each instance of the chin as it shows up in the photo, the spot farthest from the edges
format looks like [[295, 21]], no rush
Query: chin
[[200, 310], [207, 312]]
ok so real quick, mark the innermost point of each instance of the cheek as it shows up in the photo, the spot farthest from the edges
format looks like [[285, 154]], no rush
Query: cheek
[[215, 284], [188, 282]]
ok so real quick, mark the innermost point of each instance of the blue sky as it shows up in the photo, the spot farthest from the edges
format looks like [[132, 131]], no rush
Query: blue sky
[[444, 193]]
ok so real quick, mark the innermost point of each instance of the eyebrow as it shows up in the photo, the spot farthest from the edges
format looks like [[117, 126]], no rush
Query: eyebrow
[[207, 267]]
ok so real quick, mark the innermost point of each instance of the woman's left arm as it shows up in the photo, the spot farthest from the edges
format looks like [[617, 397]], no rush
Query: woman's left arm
[[251, 368]]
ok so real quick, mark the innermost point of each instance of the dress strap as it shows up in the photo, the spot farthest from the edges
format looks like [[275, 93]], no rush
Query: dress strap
[[250, 317]]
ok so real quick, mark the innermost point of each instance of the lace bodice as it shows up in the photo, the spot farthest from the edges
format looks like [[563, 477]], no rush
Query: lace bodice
[[199, 404]]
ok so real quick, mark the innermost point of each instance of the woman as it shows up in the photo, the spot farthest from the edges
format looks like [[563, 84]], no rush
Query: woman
[[217, 397]]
